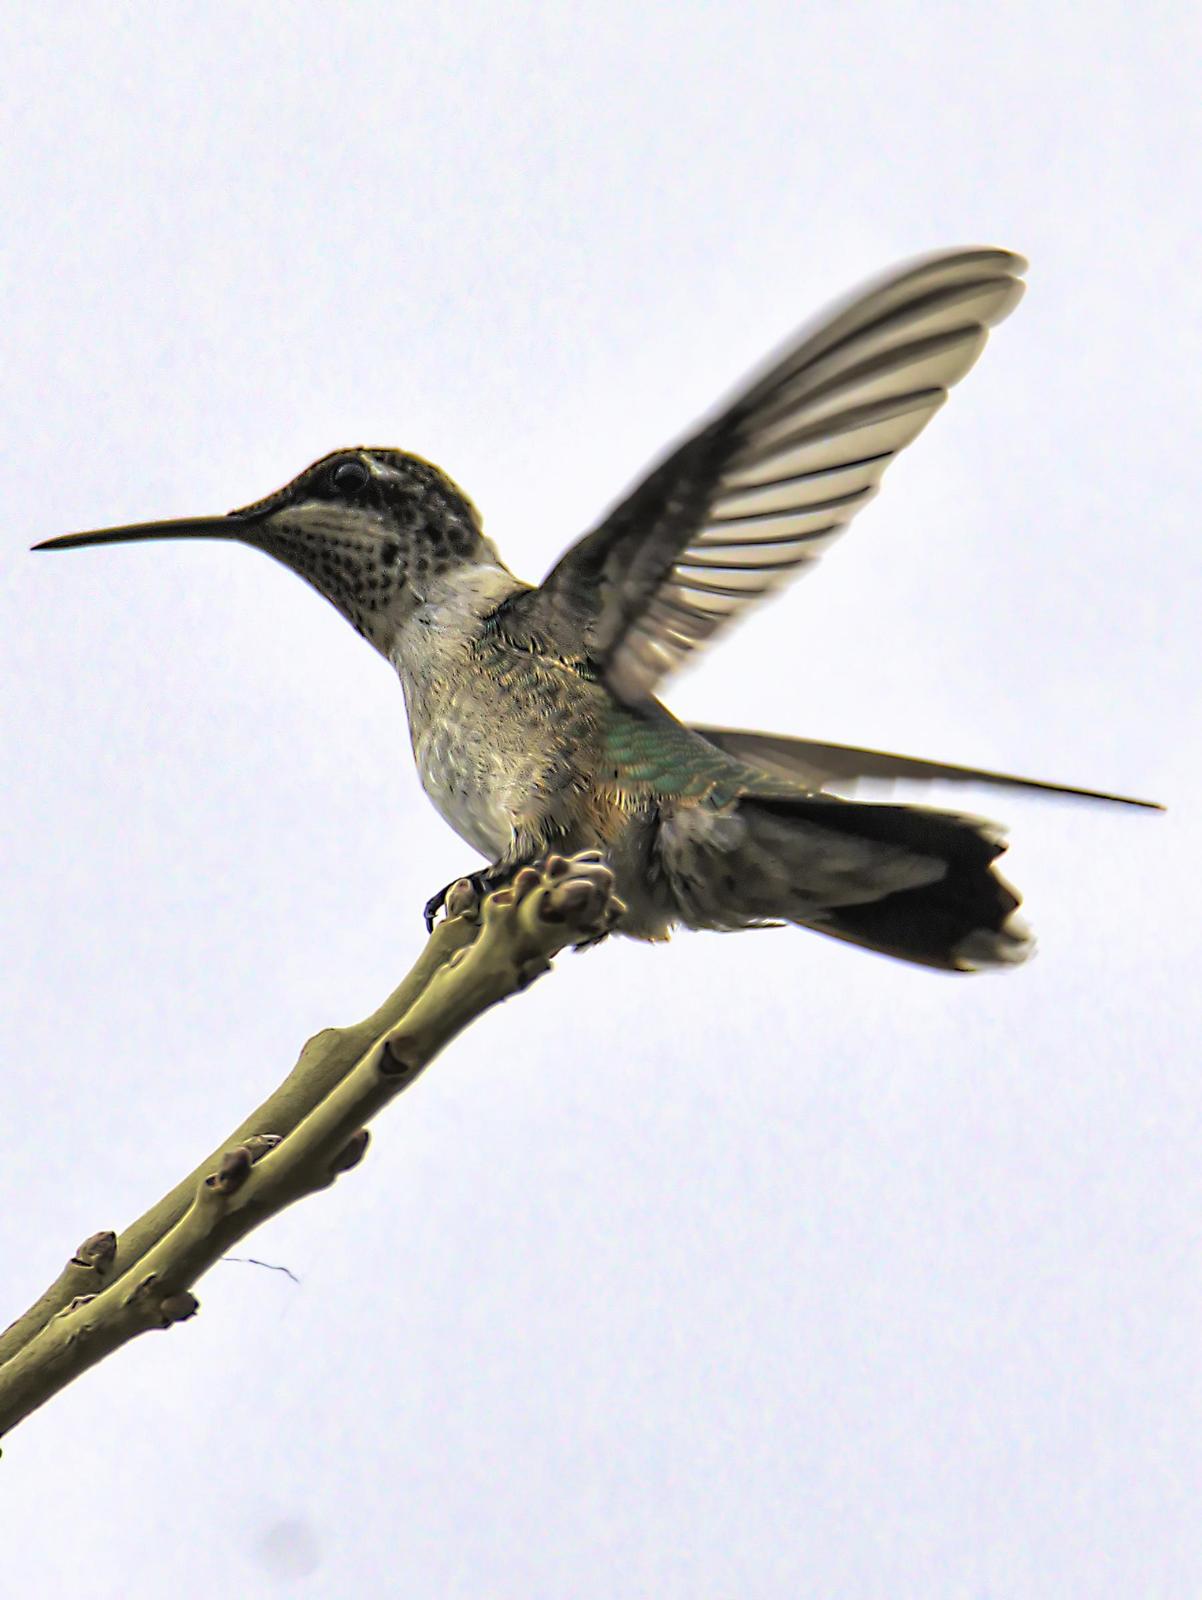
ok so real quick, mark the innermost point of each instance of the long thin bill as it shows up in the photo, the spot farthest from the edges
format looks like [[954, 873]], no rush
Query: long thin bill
[[183, 528]]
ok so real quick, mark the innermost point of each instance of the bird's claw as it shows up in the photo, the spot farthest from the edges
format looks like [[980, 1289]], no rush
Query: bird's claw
[[433, 906], [457, 897]]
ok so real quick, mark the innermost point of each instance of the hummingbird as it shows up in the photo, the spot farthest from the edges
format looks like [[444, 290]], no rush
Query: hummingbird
[[533, 710]]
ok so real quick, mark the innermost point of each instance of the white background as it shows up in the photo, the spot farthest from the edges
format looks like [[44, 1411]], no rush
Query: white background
[[750, 1266]]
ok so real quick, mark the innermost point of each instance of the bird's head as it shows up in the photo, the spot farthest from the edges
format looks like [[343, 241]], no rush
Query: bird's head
[[373, 530]]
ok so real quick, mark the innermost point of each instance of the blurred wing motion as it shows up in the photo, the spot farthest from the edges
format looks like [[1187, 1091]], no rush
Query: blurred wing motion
[[757, 494], [838, 766]]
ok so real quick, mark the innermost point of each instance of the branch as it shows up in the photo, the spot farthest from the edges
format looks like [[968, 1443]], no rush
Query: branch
[[312, 1129]]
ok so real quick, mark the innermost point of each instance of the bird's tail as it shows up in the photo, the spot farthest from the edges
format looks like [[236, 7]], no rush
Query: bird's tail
[[907, 881]]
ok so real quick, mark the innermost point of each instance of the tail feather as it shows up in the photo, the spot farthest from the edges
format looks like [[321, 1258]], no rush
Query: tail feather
[[909, 882]]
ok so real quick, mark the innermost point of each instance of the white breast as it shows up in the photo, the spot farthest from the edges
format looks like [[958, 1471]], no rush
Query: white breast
[[465, 776], [464, 792]]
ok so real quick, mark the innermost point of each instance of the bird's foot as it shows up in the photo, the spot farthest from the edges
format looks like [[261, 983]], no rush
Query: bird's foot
[[454, 901], [576, 881]]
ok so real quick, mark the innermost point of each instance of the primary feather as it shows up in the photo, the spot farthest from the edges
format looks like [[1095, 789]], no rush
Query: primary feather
[[756, 495]]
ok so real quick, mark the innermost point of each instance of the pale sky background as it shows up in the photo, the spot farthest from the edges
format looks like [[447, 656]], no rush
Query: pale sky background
[[750, 1266]]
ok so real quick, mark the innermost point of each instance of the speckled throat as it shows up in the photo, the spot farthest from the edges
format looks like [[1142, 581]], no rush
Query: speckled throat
[[374, 531]]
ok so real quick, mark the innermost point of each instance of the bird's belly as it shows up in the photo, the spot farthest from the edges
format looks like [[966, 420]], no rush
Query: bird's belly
[[508, 803], [509, 758], [459, 775]]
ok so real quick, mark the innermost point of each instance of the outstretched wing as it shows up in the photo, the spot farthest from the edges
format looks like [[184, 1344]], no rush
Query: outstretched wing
[[757, 494], [818, 766]]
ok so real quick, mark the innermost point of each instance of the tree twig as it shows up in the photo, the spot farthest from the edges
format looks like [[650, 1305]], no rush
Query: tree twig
[[312, 1129]]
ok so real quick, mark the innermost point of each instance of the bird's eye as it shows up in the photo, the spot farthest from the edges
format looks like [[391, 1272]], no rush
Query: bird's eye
[[349, 477]]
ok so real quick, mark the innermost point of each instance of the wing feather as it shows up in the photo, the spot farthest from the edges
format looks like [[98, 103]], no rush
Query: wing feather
[[816, 766], [756, 495]]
